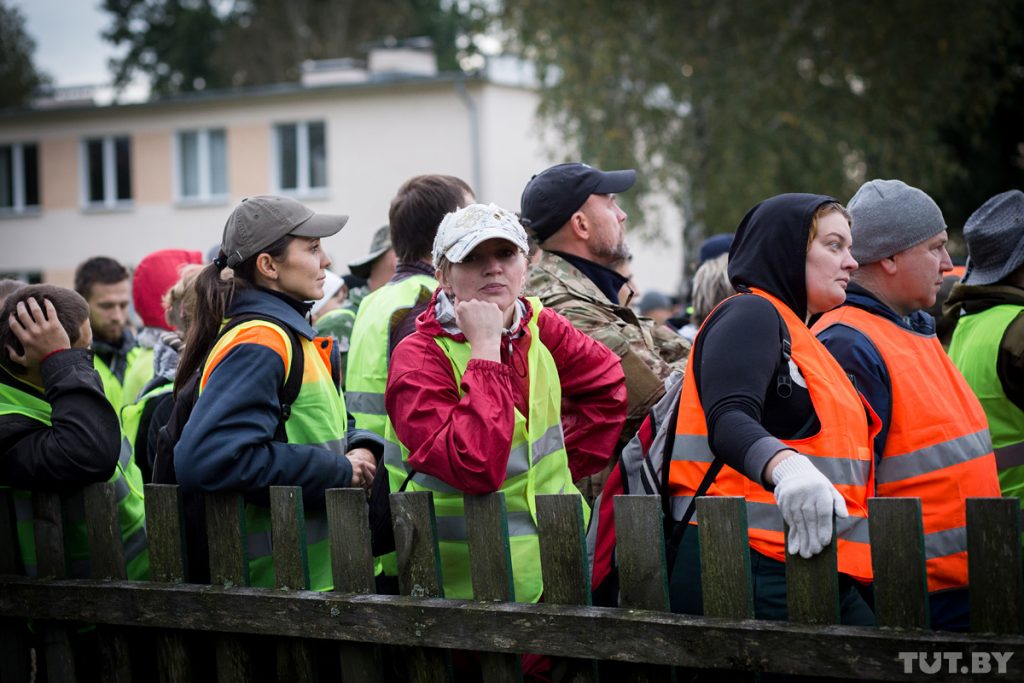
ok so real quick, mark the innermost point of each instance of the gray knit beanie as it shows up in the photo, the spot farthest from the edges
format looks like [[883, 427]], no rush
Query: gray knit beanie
[[890, 216]]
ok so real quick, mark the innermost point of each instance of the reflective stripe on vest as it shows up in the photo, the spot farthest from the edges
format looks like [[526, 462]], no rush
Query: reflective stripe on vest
[[367, 364], [131, 512], [537, 465], [938, 447], [318, 418], [840, 450]]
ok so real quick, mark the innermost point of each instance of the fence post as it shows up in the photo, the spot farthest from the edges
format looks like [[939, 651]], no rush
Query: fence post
[[106, 561], [352, 568], [225, 527], [812, 584], [166, 534], [14, 645], [490, 564], [419, 574], [995, 588], [643, 577], [897, 561], [48, 514], [563, 558], [291, 572]]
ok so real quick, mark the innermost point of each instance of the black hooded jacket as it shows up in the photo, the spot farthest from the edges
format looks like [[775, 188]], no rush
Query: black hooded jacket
[[737, 356]]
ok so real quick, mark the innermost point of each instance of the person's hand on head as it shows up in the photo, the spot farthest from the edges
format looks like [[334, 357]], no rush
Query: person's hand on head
[[39, 331]]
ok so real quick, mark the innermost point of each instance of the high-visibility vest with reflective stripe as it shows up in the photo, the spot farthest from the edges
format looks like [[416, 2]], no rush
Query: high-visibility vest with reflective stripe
[[318, 418], [112, 386], [131, 510], [938, 447], [975, 350], [367, 364], [537, 464], [131, 414], [841, 450]]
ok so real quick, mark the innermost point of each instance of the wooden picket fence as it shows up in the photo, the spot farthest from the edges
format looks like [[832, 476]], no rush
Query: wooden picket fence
[[641, 638]]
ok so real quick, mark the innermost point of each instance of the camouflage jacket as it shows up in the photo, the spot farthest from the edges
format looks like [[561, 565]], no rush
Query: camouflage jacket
[[649, 352]]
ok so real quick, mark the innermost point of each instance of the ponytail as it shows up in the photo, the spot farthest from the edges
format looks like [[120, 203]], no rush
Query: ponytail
[[213, 295]]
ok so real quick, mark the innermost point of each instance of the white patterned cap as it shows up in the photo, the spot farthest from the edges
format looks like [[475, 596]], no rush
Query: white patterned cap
[[461, 231]]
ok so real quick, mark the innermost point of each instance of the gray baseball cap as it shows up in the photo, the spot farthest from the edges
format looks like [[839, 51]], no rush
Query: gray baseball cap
[[380, 244], [258, 222]]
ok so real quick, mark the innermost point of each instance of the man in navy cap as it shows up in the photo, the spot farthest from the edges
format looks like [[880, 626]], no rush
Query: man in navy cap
[[572, 211]]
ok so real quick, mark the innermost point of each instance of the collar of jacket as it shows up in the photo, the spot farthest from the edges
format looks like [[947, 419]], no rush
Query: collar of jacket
[[966, 299], [920, 322], [266, 302], [573, 280], [404, 271]]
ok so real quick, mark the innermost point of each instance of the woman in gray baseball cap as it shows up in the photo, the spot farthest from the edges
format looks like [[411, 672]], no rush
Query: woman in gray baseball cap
[[250, 427]]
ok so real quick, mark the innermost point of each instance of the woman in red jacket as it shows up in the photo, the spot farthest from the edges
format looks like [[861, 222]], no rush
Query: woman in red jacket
[[493, 392]]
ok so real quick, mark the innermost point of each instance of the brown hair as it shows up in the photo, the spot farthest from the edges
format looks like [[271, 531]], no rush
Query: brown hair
[[213, 297], [711, 286], [98, 269], [72, 311], [822, 211], [8, 287], [417, 210], [180, 300]]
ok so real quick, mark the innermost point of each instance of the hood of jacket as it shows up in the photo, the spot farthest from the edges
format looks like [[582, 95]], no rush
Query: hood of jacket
[[770, 248], [438, 320], [966, 299]]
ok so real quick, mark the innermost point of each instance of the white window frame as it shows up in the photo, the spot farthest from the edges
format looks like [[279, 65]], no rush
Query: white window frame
[[205, 196], [302, 188], [110, 200], [19, 206]]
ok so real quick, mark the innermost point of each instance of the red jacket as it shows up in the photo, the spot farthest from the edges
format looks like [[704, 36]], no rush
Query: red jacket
[[454, 437]]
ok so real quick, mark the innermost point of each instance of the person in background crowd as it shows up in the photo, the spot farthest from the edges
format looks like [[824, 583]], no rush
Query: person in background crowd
[[232, 440], [934, 442], [335, 295], [8, 287], [372, 272], [58, 432], [495, 392], [572, 211], [656, 306], [763, 400], [988, 342], [141, 421], [710, 248], [388, 314], [106, 286], [156, 273], [711, 286]]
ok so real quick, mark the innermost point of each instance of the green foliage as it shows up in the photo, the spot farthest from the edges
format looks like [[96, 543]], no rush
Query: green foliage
[[722, 103], [19, 78], [186, 45]]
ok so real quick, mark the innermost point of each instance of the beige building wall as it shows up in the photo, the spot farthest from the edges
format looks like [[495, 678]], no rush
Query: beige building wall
[[151, 167], [248, 159], [58, 174]]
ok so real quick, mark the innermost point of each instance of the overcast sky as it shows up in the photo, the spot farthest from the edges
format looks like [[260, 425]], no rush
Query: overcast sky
[[68, 43]]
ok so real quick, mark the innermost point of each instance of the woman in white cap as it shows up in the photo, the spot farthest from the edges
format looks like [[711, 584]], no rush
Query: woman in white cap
[[243, 436], [493, 392]]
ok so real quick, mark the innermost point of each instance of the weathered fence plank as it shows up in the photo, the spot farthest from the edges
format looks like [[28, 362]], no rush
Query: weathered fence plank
[[48, 513], [291, 572], [897, 560], [643, 576], [225, 527], [352, 568], [490, 565], [725, 557], [167, 564], [996, 592], [812, 585], [619, 634], [14, 646], [419, 575], [106, 561], [563, 557]]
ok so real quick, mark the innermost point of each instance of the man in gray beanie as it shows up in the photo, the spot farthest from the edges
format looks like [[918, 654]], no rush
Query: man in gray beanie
[[934, 442], [988, 306]]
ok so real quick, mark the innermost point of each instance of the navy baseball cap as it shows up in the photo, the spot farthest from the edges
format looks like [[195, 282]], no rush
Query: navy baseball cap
[[553, 196]]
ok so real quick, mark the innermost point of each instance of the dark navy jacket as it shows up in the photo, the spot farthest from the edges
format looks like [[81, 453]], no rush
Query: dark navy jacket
[[861, 359], [228, 443]]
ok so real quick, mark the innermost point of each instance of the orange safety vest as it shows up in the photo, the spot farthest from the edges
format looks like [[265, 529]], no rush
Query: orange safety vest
[[841, 450], [938, 448]]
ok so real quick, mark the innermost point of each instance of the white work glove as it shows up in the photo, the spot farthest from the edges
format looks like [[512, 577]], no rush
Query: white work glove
[[807, 500]]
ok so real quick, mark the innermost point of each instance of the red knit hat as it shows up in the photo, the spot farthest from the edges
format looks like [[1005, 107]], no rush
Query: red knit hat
[[155, 274]]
